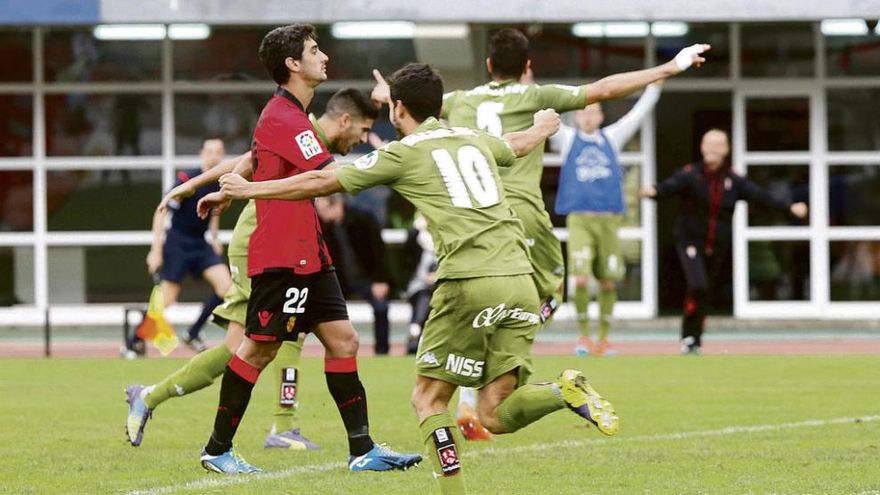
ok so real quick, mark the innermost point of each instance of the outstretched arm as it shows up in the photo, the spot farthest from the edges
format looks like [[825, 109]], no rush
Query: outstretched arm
[[189, 187], [301, 186], [546, 123], [620, 85]]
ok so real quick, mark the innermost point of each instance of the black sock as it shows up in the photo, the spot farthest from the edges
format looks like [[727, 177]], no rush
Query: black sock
[[347, 390], [235, 393], [207, 308]]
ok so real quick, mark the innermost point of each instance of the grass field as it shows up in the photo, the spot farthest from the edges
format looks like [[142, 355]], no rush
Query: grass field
[[716, 424]]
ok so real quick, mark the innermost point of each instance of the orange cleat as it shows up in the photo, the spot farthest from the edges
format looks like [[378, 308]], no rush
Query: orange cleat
[[604, 348], [473, 430]]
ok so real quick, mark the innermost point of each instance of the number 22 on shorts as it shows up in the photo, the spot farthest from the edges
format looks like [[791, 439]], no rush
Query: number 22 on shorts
[[295, 300]]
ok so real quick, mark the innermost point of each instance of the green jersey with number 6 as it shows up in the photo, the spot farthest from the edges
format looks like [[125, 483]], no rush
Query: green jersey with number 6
[[451, 176], [508, 106]]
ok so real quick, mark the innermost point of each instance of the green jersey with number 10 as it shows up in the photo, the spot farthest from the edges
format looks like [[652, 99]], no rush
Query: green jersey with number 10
[[508, 106], [451, 176]]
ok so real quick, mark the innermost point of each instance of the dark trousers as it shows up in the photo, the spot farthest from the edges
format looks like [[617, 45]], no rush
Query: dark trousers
[[707, 277], [380, 315]]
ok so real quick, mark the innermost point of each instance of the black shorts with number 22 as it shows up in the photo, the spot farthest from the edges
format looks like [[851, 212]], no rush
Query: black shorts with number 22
[[284, 304]]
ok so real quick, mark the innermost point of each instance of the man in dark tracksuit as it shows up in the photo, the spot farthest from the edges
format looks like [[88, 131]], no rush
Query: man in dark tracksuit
[[354, 239], [703, 229]]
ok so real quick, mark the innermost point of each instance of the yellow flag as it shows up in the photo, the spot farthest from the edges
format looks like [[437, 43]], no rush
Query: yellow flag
[[164, 337]]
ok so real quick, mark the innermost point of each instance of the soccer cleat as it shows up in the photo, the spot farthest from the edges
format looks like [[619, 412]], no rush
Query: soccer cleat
[[580, 397], [584, 346], [604, 348], [228, 462], [473, 430], [138, 414], [291, 439], [195, 343], [381, 458], [690, 347]]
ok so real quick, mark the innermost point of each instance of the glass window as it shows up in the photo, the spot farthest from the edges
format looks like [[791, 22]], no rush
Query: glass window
[[77, 56], [852, 119], [16, 45], [852, 55], [853, 198], [16, 126], [855, 270], [92, 199], [777, 50], [778, 124], [716, 34], [98, 125], [16, 201], [108, 274], [779, 270], [355, 59], [557, 53], [196, 60], [230, 116], [789, 182], [630, 288], [16, 275]]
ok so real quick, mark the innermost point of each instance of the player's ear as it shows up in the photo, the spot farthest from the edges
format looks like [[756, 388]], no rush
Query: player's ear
[[292, 64], [345, 120], [489, 65]]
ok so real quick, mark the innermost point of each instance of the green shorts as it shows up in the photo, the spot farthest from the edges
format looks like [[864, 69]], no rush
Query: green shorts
[[479, 329], [545, 251], [235, 302], [594, 246]]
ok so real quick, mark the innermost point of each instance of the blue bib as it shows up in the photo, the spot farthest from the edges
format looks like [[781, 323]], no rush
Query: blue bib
[[591, 179]]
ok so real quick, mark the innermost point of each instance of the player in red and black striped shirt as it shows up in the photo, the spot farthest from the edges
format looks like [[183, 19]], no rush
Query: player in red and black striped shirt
[[294, 286]]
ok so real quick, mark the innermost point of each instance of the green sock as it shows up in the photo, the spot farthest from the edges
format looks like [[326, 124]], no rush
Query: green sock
[[283, 417], [196, 374], [581, 301], [442, 438], [528, 404], [607, 298]]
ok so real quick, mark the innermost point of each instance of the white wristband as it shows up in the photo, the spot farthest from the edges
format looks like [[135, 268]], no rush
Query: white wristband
[[685, 57]]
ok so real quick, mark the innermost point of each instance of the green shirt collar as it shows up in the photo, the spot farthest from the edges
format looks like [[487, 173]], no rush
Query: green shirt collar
[[319, 130], [428, 124], [498, 84]]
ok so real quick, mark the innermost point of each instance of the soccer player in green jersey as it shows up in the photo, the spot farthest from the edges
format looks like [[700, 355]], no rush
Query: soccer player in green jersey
[[506, 104], [485, 308], [346, 122]]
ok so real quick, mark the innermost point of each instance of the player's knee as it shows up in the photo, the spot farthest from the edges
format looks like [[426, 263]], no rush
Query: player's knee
[[608, 285], [581, 281], [489, 419], [345, 345]]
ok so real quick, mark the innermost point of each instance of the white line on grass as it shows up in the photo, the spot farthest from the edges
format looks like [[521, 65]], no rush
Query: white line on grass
[[319, 468]]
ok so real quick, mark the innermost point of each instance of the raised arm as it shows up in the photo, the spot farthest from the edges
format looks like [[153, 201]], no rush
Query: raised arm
[[625, 128], [546, 123], [625, 83], [673, 185]]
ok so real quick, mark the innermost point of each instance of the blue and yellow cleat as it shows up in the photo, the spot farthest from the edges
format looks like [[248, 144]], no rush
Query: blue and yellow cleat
[[138, 414], [227, 463], [381, 458], [580, 397]]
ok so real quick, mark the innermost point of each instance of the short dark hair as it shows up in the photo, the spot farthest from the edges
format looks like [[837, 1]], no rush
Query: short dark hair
[[420, 88], [353, 102], [509, 53], [283, 42]]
